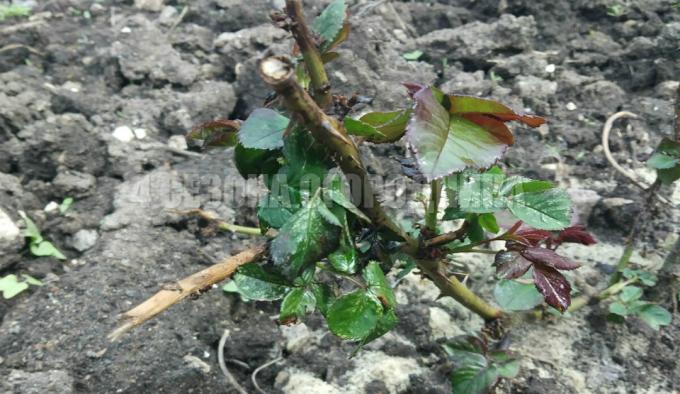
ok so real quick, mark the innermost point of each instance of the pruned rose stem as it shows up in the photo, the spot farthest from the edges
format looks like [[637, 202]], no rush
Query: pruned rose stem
[[321, 88], [433, 205], [222, 225], [191, 285], [278, 72], [448, 237]]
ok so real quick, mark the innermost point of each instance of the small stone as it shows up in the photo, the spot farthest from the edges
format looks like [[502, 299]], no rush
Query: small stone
[[126, 30], [550, 68], [177, 142], [84, 240], [197, 363], [571, 106], [140, 134], [97, 9], [9, 232], [149, 5], [167, 16], [51, 207], [123, 134]]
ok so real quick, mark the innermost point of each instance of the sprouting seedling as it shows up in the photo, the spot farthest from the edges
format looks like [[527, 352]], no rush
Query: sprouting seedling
[[37, 244], [13, 11], [328, 242], [11, 286]]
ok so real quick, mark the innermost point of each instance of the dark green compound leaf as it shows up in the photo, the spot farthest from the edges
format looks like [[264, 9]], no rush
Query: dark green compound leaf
[[329, 25], [305, 238], [254, 283], [307, 163], [355, 315], [666, 161], [263, 129], [214, 134], [545, 210], [654, 315], [646, 278], [618, 308], [475, 230], [339, 198], [445, 143], [378, 285], [515, 296], [274, 211], [379, 127], [476, 373], [323, 296], [345, 258], [252, 163], [296, 304]]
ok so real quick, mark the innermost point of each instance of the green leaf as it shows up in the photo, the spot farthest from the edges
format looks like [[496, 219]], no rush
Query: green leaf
[[323, 297], [546, 210], [297, 303], [31, 231], [340, 199], [307, 163], [667, 151], [354, 316], [661, 161], [305, 238], [475, 376], [263, 129], [655, 316], [445, 143], [328, 215], [10, 286], [379, 127], [31, 280], [45, 248], [515, 296], [329, 24], [507, 366], [414, 55], [488, 222], [481, 193], [378, 285], [65, 205], [531, 186], [251, 163], [386, 322], [618, 308], [274, 211], [254, 283], [630, 293]]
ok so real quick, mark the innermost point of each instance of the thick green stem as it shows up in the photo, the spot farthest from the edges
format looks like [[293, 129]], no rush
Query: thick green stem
[[579, 302], [433, 206], [450, 286], [321, 88], [278, 72]]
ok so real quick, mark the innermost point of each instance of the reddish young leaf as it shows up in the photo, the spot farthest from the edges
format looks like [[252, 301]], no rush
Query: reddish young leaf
[[554, 287], [575, 234], [549, 258], [462, 105], [510, 265], [534, 236], [216, 133]]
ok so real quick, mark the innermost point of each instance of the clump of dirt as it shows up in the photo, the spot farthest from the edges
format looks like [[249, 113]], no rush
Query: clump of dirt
[[93, 95]]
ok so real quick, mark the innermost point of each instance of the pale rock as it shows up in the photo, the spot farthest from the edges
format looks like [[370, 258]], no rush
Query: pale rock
[[149, 5], [140, 133], [177, 142], [442, 325], [51, 207], [84, 240], [123, 134], [293, 381], [394, 372]]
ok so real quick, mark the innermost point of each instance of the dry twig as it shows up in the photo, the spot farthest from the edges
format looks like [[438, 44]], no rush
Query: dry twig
[[191, 285]]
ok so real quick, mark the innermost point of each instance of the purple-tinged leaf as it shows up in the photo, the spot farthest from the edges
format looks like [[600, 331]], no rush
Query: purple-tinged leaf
[[445, 143], [548, 257], [575, 234], [533, 236], [554, 287], [510, 264]]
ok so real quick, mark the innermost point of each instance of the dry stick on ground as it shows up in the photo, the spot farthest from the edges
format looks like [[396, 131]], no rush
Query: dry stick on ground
[[606, 131], [191, 285], [223, 366], [278, 72]]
